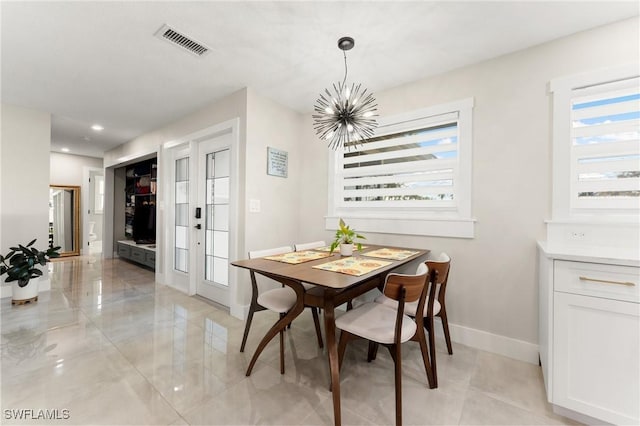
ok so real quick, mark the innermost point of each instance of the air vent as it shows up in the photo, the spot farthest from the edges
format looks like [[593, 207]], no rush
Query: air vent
[[175, 37]]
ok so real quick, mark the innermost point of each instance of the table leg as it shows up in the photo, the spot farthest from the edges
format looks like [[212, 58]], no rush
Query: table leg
[[332, 350]]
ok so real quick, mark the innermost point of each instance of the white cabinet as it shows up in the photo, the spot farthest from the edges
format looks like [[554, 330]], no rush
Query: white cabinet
[[590, 337]]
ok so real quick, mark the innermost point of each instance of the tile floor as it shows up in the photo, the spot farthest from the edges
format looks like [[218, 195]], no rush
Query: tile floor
[[111, 347]]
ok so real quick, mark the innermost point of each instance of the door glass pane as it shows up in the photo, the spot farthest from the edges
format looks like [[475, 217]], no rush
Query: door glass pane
[[221, 190], [181, 248], [221, 244], [221, 217], [217, 217], [222, 164]]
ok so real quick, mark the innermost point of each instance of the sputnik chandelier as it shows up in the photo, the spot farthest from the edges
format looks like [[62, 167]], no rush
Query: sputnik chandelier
[[344, 116]]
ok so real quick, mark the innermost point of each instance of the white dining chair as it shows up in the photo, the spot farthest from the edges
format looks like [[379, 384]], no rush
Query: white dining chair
[[387, 325], [279, 300]]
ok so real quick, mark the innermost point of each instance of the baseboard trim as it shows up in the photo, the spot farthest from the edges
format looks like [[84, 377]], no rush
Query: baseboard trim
[[494, 343], [579, 417]]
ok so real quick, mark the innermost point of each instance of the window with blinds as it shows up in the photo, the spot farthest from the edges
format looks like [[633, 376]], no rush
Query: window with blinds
[[412, 168], [605, 146], [412, 177]]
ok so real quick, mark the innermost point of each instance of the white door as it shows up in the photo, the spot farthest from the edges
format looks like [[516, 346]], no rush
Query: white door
[[212, 226], [201, 235]]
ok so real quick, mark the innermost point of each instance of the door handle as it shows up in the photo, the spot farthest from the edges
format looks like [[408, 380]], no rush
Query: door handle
[[198, 226]]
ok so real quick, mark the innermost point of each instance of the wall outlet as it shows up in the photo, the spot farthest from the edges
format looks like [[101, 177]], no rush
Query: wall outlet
[[576, 235]]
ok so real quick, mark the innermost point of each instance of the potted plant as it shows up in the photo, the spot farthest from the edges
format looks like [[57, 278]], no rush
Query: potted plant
[[345, 239], [21, 265]]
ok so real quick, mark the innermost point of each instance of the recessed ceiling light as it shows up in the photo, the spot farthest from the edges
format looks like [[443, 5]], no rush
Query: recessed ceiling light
[[65, 150], [97, 127], [86, 138]]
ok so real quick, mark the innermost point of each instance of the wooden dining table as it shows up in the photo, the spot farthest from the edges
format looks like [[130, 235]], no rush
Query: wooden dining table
[[331, 290]]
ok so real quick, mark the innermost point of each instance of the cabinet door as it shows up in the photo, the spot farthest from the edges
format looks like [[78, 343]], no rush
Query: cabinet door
[[597, 357]]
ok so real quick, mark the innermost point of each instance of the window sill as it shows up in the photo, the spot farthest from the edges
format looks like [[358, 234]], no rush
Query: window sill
[[434, 227]]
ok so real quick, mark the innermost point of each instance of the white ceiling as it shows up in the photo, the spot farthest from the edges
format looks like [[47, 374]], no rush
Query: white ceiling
[[98, 62]]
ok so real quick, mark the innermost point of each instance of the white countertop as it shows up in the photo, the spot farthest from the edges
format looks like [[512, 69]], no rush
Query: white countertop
[[607, 255], [150, 247]]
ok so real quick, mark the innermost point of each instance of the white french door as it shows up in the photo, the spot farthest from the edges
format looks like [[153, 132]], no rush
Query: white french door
[[212, 227], [202, 200]]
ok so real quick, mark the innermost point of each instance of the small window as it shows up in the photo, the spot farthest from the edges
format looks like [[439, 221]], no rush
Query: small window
[[605, 145], [417, 167], [596, 145]]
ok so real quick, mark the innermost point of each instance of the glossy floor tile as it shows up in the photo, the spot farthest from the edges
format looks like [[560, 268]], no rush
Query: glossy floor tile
[[107, 345]]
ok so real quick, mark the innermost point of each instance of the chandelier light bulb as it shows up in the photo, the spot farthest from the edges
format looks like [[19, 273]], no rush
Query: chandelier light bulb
[[328, 110]]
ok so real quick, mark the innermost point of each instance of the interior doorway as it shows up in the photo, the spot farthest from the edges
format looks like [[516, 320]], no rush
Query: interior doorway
[[93, 210]]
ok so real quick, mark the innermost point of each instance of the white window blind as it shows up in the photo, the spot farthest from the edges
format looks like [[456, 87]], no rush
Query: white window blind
[[412, 168], [605, 146]]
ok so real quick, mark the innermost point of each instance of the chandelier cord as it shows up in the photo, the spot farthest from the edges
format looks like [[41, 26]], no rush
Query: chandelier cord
[[345, 68]]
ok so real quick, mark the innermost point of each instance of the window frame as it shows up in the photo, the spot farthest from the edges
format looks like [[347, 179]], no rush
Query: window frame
[[453, 221], [564, 207]]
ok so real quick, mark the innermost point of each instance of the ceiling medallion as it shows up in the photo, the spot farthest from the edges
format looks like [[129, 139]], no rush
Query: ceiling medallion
[[344, 116]]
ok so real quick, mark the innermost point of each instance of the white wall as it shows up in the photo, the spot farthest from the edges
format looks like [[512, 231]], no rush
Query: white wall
[[24, 179], [66, 169], [271, 125], [493, 282]]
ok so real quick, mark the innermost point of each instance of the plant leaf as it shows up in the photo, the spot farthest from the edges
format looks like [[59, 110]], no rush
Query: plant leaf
[[31, 243]]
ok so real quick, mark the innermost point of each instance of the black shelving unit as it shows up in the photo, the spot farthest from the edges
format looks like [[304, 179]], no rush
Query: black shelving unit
[[140, 201]]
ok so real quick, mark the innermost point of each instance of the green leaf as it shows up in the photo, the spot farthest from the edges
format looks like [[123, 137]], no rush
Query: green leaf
[[31, 243], [11, 253], [36, 273], [17, 259], [333, 247]]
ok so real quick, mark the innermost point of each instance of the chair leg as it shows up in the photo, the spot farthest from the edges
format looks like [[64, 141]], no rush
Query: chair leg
[[432, 350], [445, 327], [420, 337], [345, 336], [316, 321], [398, 377], [373, 351], [282, 348]]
